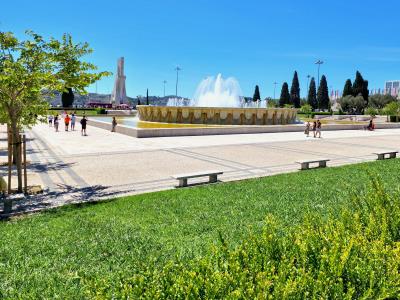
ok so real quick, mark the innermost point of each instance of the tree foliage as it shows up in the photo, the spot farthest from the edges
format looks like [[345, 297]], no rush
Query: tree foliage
[[256, 96], [348, 88], [33, 67], [285, 96], [295, 91], [360, 86], [323, 94], [380, 101], [312, 95], [352, 105]]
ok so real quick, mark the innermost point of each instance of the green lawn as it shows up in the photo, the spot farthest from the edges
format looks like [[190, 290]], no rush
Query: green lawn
[[54, 253]]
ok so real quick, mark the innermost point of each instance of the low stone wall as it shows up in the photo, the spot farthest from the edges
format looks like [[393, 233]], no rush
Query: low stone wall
[[164, 132], [217, 115]]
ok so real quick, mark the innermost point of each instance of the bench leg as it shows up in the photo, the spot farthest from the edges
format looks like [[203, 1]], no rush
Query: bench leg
[[182, 182], [213, 178], [381, 156], [393, 155], [322, 164], [304, 166]]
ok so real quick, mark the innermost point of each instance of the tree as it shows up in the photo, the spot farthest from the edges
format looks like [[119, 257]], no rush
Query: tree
[[392, 109], [285, 96], [67, 98], [29, 68], [312, 95], [295, 91], [380, 101], [360, 86], [352, 105], [348, 89], [147, 97], [256, 96], [323, 94]]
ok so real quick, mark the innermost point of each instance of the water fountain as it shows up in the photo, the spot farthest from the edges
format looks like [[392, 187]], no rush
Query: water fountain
[[217, 101]]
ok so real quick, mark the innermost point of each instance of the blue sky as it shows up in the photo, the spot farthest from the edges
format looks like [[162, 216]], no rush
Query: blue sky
[[258, 42]]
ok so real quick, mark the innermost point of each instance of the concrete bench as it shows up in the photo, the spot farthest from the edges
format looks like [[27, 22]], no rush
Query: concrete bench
[[305, 164], [381, 155], [183, 178]]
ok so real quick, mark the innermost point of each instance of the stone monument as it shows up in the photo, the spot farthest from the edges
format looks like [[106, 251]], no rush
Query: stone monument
[[118, 95]]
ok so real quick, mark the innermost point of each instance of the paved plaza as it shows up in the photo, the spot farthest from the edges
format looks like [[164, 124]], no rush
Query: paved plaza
[[74, 168]]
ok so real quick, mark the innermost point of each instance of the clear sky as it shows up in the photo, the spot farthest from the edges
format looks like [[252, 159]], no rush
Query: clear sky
[[258, 42]]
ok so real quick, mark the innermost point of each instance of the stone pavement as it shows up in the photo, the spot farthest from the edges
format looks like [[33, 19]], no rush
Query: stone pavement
[[75, 168]]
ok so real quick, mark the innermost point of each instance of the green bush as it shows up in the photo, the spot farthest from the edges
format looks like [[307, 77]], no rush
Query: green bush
[[350, 255], [101, 111]]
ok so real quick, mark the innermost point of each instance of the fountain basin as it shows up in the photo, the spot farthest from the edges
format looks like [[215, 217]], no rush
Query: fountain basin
[[217, 115]]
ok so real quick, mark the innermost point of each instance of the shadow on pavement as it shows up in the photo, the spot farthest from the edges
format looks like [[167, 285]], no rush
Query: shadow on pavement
[[76, 196]]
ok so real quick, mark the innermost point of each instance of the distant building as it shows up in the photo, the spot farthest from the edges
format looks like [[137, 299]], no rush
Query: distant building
[[392, 87]]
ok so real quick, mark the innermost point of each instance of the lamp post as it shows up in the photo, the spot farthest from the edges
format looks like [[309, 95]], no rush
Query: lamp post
[[319, 63], [177, 69], [164, 82]]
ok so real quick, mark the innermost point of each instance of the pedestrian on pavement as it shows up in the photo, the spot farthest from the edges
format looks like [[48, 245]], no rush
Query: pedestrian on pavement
[[67, 119], [114, 124], [73, 120], [319, 126], [83, 123], [307, 131], [56, 121], [314, 128], [50, 120]]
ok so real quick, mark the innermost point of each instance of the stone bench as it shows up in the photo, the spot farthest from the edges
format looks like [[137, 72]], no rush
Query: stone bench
[[183, 178], [305, 164], [381, 155]]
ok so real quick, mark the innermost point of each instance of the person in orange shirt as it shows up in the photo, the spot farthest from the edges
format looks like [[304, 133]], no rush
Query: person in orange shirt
[[67, 119]]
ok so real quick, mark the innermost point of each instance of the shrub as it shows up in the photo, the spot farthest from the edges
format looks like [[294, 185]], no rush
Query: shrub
[[371, 111], [101, 111], [353, 254]]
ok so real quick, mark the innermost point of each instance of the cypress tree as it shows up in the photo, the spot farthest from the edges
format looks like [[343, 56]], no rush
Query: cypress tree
[[256, 96], [285, 96], [295, 91], [323, 94], [348, 88], [147, 97], [358, 84], [312, 95], [67, 98], [365, 91]]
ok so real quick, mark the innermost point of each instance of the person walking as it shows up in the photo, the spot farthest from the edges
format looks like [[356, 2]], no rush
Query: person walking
[[50, 120], [83, 123], [73, 120], [314, 128], [114, 124], [56, 122], [67, 119], [307, 131], [319, 126]]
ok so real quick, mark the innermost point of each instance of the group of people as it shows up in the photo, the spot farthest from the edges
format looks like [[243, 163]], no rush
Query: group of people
[[316, 128], [68, 120]]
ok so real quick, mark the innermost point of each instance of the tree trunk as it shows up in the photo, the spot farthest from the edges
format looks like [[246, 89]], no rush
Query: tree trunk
[[17, 152]]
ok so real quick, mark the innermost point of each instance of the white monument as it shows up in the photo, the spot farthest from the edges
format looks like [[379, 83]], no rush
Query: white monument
[[118, 95]]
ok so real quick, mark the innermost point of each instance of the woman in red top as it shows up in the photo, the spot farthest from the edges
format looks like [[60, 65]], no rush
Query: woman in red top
[[66, 121]]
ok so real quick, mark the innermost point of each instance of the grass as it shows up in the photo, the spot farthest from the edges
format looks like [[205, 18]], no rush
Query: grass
[[70, 111], [55, 253]]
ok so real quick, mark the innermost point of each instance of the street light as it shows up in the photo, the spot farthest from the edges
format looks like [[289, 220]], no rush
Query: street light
[[275, 83], [177, 69], [319, 63], [164, 86]]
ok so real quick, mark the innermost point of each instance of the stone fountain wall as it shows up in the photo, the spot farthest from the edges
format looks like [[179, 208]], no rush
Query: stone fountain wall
[[217, 115]]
